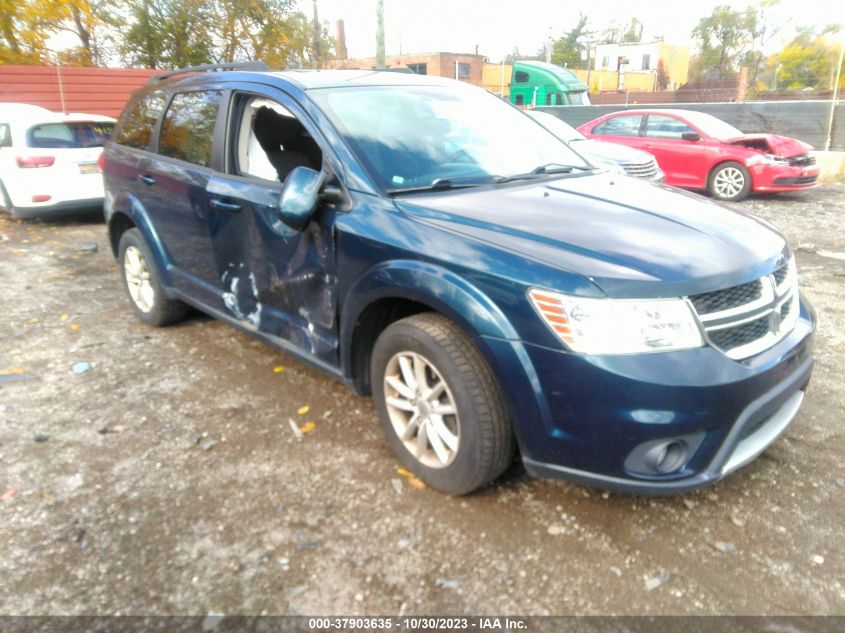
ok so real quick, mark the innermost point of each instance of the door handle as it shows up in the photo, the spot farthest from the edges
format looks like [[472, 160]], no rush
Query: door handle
[[147, 180], [228, 207]]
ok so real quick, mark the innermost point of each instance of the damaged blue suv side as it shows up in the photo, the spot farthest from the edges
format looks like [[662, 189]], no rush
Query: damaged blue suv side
[[429, 244]]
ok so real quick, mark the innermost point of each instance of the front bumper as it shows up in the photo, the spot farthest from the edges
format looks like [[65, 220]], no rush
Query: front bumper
[[595, 415], [773, 178]]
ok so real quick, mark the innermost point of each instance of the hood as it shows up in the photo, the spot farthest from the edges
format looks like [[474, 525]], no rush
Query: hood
[[612, 152], [780, 146], [629, 237]]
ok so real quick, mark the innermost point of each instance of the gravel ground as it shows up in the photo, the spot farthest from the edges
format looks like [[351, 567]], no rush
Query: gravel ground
[[166, 479]]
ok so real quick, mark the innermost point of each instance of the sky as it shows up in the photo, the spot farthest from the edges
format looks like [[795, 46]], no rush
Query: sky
[[499, 26]]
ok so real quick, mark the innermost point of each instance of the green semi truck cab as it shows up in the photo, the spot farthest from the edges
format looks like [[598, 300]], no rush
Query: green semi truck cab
[[540, 84]]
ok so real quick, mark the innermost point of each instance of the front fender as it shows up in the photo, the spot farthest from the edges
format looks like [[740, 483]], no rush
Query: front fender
[[479, 317], [432, 285]]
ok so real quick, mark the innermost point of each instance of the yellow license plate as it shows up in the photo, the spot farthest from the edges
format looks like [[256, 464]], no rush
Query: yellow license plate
[[88, 168]]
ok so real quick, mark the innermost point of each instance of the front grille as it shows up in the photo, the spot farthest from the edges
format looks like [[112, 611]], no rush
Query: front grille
[[781, 273], [641, 170], [804, 160], [747, 319], [800, 180], [719, 300], [741, 334]]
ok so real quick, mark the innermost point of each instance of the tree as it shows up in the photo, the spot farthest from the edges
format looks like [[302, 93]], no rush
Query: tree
[[634, 33], [662, 76], [168, 33], [807, 61], [724, 38], [271, 31], [26, 28], [569, 49], [21, 42]]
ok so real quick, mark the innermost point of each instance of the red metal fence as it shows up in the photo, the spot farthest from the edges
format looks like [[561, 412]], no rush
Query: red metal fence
[[91, 90]]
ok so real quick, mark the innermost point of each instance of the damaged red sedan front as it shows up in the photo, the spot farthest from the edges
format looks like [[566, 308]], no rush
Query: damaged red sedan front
[[699, 151]]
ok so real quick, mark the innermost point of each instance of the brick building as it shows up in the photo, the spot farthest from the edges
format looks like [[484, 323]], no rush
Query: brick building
[[464, 67]]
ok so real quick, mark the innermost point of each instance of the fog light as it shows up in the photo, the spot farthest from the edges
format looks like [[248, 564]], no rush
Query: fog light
[[664, 458]]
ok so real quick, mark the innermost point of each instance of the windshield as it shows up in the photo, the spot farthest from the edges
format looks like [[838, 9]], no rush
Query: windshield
[[74, 135], [711, 126], [579, 98], [559, 128], [420, 136]]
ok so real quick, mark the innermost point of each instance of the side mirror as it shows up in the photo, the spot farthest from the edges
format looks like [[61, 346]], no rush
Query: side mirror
[[300, 197], [690, 136]]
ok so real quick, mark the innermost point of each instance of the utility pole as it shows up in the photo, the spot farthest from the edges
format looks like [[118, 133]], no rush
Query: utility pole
[[835, 93], [380, 34], [316, 39]]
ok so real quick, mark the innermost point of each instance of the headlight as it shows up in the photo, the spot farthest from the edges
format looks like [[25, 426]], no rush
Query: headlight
[[769, 159], [618, 326]]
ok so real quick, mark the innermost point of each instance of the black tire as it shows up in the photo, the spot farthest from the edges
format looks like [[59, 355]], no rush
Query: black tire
[[160, 310], [729, 181], [6, 201], [485, 444]]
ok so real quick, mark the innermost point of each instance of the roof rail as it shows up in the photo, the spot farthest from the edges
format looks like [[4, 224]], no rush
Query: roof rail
[[209, 67]]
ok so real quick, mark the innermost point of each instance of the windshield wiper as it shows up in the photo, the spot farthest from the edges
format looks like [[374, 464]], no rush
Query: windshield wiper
[[543, 170], [440, 184]]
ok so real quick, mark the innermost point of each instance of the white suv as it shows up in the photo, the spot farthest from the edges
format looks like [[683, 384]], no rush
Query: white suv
[[49, 161]]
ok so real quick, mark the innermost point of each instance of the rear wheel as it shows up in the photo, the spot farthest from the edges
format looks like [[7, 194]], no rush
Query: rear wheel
[[142, 282], [440, 405], [730, 181], [6, 201]]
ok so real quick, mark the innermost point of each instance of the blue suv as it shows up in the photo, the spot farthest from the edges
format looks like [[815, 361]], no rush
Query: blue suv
[[429, 244]]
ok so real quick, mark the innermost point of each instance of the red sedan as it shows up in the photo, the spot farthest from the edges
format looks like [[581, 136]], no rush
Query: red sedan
[[699, 151]]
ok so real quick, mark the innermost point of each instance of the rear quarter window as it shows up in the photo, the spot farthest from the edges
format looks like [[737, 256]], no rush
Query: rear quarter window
[[136, 127], [187, 132]]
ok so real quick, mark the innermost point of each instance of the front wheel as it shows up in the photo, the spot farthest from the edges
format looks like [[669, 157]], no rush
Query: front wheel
[[730, 181], [440, 405]]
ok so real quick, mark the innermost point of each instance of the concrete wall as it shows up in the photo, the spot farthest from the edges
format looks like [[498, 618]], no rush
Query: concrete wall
[[90, 90], [804, 120]]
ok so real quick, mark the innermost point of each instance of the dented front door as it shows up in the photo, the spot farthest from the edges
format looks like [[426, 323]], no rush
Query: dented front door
[[274, 279]]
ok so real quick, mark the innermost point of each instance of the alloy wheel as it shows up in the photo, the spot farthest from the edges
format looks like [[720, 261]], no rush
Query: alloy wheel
[[422, 409], [729, 182], [138, 282]]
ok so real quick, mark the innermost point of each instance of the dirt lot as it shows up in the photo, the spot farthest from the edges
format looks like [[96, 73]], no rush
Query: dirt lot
[[167, 479]]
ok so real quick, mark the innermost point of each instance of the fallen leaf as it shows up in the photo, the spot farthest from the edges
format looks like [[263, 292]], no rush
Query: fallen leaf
[[307, 427], [64, 317], [13, 371], [303, 410], [278, 370], [32, 320], [11, 492], [407, 474], [74, 327], [416, 483]]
